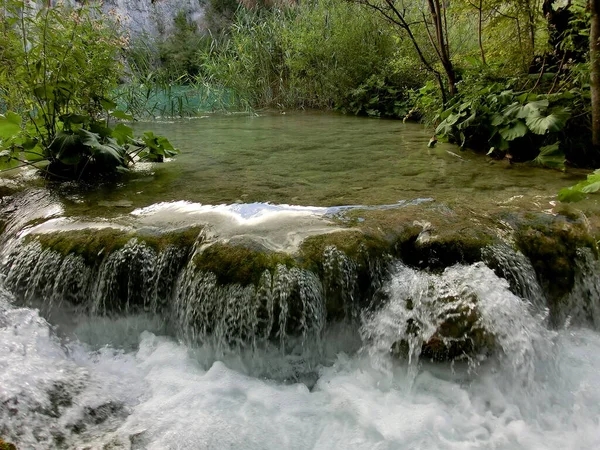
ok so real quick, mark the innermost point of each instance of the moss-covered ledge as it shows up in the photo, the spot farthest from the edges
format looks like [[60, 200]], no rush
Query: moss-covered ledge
[[239, 264], [551, 243], [93, 244]]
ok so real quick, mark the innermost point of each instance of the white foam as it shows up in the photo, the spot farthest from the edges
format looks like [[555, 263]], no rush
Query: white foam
[[174, 397]]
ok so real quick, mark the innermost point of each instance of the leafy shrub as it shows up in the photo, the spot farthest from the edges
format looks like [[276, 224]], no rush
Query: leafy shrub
[[523, 125], [377, 97], [59, 66], [180, 53], [322, 54]]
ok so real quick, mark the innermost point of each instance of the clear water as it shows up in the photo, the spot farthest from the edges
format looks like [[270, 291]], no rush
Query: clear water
[[315, 159]]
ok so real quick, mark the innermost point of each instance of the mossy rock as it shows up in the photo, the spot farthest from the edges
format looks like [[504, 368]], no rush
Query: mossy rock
[[355, 244], [349, 282], [551, 245], [239, 264], [430, 236], [439, 252], [93, 244], [7, 445], [458, 334]]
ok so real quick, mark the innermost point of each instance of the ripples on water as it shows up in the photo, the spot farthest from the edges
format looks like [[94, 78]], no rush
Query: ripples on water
[[149, 391]]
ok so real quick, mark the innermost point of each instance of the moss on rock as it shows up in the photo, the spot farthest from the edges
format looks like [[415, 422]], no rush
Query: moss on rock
[[93, 244], [551, 245], [7, 445], [239, 264], [354, 243]]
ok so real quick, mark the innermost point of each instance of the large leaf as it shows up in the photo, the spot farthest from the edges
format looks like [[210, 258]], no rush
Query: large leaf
[[519, 111], [555, 121], [447, 125], [514, 130], [7, 160], [44, 92], [122, 133], [551, 156], [532, 108], [107, 104], [499, 119], [10, 125], [67, 148], [579, 191], [122, 115], [109, 154]]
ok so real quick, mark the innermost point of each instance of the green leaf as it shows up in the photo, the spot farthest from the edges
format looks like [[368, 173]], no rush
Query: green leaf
[[498, 119], [570, 194], [67, 148], [122, 133], [44, 92], [514, 130], [107, 104], [74, 119], [579, 191], [7, 160], [10, 125], [109, 154], [121, 115], [551, 123], [551, 156]]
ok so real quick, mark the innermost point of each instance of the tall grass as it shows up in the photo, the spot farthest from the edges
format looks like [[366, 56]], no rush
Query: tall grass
[[310, 55]]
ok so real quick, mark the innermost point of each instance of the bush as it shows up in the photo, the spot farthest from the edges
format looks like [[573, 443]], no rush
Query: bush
[[59, 66]]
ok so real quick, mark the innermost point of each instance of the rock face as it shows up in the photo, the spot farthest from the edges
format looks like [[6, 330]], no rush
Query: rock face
[[151, 17]]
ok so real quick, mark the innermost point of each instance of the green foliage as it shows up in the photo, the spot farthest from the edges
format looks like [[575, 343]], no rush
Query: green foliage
[[377, 97], [580, 190], [524, 125], [59, 66], [311, 55], [180, 53]]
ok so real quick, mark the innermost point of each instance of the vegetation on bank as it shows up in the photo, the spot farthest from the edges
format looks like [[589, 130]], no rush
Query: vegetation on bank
[[513, 79], [58, 70]]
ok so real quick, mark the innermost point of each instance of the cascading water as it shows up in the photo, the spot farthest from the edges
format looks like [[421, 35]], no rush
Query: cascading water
[[144, 350]]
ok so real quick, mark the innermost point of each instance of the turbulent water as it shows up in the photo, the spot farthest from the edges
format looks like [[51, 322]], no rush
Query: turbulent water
[[146, 390]]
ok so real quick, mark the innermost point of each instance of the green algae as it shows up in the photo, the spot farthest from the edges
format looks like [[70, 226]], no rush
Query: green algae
[[94, 244], [239, 264]]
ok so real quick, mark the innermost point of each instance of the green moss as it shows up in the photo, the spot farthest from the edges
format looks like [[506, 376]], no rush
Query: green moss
[[93, 244], [354, 243], [551, 245], [7, 445], [238, 264]]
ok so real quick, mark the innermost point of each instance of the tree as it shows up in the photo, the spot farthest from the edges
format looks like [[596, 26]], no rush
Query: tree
[[594, 8], [434, 21]]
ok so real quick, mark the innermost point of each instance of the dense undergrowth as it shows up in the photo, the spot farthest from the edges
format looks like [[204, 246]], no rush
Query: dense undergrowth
[[59, 68]]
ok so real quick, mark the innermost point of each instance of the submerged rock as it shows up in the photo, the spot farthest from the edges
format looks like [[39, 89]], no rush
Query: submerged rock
[[440, 317]]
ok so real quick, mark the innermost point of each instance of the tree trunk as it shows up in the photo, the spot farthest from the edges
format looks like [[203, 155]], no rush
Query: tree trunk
[[480, 32], [442, 46], [595, 70]]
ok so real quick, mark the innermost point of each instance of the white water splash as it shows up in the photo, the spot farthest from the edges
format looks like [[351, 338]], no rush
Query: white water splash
[[165, 396]]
